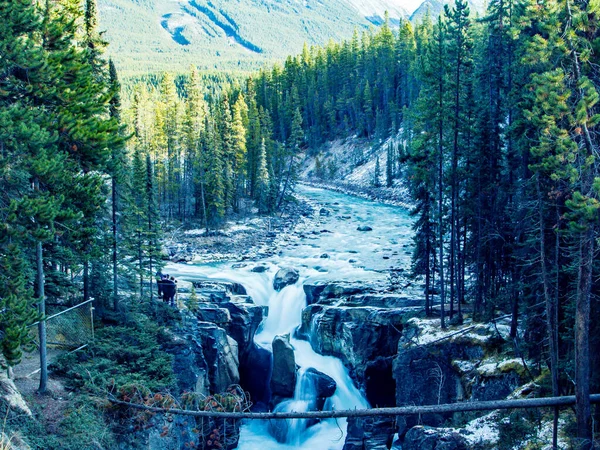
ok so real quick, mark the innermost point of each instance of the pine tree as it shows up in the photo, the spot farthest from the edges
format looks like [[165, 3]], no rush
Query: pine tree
[[262, 180], [17, 304], [389, 166], [239, 149], [377, 173]]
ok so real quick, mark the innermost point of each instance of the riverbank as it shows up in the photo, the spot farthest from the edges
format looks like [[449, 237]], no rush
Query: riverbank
[[252, 237]]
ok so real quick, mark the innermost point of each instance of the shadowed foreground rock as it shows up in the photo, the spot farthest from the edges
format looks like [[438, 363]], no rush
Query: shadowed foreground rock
[[283, 378], [425, 438]]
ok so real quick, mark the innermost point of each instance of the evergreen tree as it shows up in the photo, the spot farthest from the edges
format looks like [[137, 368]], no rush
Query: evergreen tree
[[17, 305], [377, 173], [262, 180]]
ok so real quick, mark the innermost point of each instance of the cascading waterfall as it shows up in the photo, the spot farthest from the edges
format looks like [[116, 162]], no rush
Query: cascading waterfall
[[285, 315], [350, 255]]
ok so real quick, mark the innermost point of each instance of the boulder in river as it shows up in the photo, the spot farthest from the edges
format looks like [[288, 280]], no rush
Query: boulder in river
[[255, 373], [284, 277], [283, 377], [364, 228], [325, 386], [324, 212], [259, 269]]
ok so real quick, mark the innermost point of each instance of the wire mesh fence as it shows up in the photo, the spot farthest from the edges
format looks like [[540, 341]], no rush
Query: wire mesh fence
[[69, 329]]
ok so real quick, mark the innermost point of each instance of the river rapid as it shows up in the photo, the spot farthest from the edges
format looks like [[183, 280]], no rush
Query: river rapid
[[327, 247]]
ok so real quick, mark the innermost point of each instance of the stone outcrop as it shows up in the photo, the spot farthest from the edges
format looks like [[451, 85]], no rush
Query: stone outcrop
[[447, 366], [283, 377], [221, 352], [284, 277]]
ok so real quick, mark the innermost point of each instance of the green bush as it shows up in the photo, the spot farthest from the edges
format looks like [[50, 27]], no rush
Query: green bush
[[120, 355]]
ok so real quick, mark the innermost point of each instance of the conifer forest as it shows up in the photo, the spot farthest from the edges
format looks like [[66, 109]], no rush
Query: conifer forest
[[489, 124]]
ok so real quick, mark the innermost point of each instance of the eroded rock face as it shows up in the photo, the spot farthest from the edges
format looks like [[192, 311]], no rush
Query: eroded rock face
[[189, 363], [283, 377], [323, 292], [284, 277], [221, 352], [246, 317], [356, 335], [256, 375]]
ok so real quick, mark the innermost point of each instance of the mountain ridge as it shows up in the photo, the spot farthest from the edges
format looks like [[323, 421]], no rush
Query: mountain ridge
[[233, 35]]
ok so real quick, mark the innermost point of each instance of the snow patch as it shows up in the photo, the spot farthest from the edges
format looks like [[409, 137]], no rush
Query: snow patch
[[429, 331], [490, 368]]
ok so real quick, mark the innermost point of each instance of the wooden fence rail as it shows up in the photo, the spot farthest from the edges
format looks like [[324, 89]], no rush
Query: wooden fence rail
[[545, 402]]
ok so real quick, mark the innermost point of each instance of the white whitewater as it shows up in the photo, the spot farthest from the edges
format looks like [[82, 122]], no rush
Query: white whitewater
[[352, 255]]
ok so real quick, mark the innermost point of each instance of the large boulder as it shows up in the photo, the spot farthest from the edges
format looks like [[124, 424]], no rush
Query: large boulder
[[364, 228], [284, 277], [11, 397], [283, 377], [255, 375], [324, 385]]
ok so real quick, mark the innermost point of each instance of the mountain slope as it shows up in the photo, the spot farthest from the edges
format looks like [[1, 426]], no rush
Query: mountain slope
[[159, 35]]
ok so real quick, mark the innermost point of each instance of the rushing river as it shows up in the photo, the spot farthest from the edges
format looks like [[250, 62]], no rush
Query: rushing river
[[328, 248]]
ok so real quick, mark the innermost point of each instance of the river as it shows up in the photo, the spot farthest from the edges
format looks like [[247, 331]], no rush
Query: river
[[330, 247]]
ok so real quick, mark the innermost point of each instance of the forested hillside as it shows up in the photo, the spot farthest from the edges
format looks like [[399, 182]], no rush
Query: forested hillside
[[158, 35], [496, 119]]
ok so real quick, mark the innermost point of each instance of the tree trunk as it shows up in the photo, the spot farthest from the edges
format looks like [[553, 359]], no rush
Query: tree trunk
[[39, 258], [582, 347], [441, 186], [551, 326], [115, 245], [86, 279]]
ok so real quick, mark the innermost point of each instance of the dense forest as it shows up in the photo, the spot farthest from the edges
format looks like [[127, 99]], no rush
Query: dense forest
[[496, 119]]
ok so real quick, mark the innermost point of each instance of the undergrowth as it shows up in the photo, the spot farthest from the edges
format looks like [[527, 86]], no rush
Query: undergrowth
[[119, 355]]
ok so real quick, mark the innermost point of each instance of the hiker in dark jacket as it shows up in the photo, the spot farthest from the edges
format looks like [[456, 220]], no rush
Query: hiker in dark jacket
[[160, 277], [169, 289]]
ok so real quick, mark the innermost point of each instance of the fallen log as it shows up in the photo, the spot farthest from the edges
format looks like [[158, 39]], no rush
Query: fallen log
[[527, 403]]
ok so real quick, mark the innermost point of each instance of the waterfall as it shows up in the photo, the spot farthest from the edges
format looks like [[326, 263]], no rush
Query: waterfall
[[331, 248], [285, 315]]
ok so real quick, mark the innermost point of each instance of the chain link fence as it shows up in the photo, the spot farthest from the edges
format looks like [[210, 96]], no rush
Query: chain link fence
[[69, 329]]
